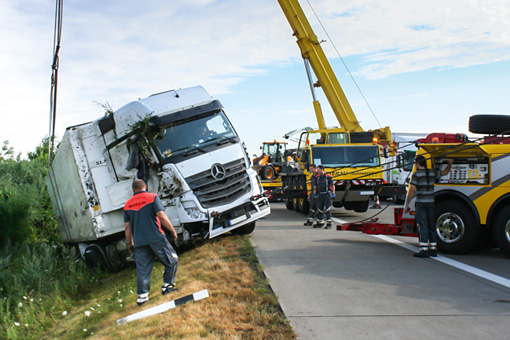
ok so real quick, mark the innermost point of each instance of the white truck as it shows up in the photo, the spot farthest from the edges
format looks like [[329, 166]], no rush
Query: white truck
[[187, 151], [398, 168]]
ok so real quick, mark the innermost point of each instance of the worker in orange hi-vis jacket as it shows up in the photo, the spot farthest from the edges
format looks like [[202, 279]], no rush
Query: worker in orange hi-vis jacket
[[143, 216]]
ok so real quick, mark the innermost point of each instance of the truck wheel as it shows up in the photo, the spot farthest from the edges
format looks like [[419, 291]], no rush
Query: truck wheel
[[456, 228], [501, 231], [268, 172], [338, 204], [244, 230], [356, 206], [305, 206], [95, 258], [361, 207], [289, 204], [115, 260], [492, 124], [297, 204]]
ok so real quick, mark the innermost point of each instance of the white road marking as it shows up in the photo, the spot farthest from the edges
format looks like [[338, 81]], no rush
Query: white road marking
[[459, 265]]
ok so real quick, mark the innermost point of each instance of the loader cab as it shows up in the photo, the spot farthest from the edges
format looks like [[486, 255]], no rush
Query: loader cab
[[275, 151]]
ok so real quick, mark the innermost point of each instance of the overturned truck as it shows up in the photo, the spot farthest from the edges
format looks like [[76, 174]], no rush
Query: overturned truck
[[184, 147]]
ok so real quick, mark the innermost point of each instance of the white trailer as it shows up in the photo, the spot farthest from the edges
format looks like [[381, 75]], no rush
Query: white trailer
[[187, 151]]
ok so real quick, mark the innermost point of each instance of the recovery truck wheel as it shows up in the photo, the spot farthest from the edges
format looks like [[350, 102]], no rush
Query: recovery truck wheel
[[492, 124], [456, 228], [268, 172], [501, 231], [244, 230]]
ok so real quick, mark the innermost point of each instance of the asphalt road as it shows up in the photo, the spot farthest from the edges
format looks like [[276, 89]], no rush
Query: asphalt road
[[347, 285]]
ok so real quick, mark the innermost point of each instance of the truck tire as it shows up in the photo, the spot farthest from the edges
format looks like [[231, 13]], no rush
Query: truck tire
[[501, 231], [361, 207], [491, 124], [268, 172], [338, 204], [95, 258], [305, 206], [297, 204], [456, 228], [244, 230], [289, 204], [115, 260]]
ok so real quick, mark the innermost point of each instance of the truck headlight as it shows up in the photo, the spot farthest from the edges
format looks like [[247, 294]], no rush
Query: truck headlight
[[192, 210], [193, 213]]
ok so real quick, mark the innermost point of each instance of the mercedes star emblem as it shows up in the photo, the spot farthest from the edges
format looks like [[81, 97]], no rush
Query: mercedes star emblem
[[218, 172]]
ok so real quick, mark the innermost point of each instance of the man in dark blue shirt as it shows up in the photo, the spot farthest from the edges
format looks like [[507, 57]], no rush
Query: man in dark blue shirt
[[313, 200], [143, 216], [324, 191]]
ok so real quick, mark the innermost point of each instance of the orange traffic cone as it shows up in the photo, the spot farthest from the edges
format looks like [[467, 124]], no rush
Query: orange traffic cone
[[377, 204]]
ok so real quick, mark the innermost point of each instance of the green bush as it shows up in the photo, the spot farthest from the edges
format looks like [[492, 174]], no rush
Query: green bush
[[26, 213], [38, 276]]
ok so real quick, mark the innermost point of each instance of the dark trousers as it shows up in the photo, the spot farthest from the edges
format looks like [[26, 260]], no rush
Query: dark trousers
[[145, 257], [426, 223], [323, 207], [313, 208]]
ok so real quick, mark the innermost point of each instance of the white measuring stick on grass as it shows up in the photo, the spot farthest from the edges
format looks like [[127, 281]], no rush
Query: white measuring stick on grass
[[164, 307]]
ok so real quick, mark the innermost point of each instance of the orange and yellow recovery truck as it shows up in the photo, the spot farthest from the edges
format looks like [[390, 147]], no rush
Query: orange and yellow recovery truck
[[473, 200]]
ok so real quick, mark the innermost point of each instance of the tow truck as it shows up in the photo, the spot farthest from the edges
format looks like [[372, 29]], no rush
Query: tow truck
[[349, 153], [473, 200]]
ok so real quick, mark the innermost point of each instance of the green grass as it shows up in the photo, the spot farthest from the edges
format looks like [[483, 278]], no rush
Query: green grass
[[241, 304]]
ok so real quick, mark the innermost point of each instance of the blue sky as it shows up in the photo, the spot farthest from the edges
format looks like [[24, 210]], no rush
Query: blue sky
[[423, 67]]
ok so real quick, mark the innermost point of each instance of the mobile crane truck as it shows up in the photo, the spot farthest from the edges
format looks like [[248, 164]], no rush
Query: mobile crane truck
[[473, 200], [350, 154], [182, 144]]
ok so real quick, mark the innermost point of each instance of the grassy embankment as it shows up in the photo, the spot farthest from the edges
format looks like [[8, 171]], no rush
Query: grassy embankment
[[240, 305]]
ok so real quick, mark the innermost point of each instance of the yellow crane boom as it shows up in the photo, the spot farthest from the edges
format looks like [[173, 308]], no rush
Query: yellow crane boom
[[312, 52]]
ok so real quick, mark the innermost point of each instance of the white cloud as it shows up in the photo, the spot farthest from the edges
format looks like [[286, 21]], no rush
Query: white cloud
[[407, 36], [118, 51]]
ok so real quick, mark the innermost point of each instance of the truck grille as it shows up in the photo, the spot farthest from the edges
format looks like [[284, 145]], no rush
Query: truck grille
[[213, 192]]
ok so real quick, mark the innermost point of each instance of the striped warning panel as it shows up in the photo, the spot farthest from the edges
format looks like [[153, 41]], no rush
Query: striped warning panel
[[164, 307]]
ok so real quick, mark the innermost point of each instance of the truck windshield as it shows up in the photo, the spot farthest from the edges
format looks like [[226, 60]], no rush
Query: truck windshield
[[196, 134], [409, 160], [346, 156]]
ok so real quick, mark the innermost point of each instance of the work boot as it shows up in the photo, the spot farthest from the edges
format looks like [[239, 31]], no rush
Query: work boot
[[167, 288], [433, 252], [308, 223], [422, 253]]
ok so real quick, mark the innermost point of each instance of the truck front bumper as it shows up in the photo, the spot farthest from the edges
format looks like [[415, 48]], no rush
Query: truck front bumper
[[222, 222]]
